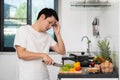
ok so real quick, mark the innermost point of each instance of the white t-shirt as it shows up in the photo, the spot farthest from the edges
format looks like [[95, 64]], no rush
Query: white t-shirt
[[33, 41]]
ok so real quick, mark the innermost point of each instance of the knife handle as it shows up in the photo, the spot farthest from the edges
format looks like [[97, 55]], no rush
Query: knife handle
[[43, 61], [53, 63]]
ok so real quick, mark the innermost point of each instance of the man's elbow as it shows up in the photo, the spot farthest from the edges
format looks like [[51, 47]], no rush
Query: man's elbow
[[62, 52], [22, 56]]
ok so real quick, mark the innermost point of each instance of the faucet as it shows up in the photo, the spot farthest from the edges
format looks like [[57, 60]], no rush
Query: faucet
[[88, 42]]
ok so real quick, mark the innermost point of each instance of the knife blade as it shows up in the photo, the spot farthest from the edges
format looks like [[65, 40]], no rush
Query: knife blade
[[57, 64]]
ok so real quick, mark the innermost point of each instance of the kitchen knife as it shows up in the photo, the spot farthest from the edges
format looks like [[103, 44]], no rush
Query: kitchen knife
[[56, 64]]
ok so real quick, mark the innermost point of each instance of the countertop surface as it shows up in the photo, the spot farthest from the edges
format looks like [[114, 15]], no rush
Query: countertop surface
[[84, 74]]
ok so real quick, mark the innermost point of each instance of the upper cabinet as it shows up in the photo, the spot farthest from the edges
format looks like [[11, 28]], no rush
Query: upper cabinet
[[91, 3]]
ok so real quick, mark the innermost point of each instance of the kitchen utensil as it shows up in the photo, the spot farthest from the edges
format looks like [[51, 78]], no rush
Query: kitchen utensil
[[83, 59], [55, 64]]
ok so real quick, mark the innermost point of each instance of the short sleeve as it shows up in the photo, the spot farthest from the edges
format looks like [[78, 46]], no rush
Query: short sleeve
[[20, 38]]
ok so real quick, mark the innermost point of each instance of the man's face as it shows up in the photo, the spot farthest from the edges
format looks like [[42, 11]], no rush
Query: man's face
[[48, 23]]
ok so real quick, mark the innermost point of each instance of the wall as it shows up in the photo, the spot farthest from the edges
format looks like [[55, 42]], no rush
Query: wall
[[76, 22], [73, 26], [109, 27]]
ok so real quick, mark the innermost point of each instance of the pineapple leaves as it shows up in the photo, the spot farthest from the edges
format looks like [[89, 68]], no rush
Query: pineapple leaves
[[104, 48]]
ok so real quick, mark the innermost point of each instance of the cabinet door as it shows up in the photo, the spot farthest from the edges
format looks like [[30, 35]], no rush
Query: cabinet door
[[89, 79], [53, 71]]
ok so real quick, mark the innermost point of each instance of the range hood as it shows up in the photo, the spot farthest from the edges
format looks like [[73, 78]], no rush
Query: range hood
[[92, 3]]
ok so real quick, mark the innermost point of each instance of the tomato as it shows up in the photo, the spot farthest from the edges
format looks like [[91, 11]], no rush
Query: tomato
[[78, 68], [100, 59]]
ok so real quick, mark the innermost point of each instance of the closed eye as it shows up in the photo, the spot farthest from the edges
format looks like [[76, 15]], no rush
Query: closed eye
[[54, 24]]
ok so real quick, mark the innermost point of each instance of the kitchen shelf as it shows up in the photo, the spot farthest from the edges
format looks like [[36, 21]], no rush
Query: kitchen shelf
[[90, 4]]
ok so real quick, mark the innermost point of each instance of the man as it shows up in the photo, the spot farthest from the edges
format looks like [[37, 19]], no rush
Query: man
[[32, 44]]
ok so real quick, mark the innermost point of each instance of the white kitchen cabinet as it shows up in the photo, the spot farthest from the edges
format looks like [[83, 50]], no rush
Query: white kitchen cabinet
[[89, 79], [53, 70]]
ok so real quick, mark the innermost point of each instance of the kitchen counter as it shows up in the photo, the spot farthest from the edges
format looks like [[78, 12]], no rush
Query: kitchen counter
[[84, 74]]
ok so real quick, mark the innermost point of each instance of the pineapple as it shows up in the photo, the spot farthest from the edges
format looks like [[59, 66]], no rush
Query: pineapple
[[104, 49]]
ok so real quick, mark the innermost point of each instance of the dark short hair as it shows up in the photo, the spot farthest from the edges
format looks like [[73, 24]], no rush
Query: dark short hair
[[48, 12]]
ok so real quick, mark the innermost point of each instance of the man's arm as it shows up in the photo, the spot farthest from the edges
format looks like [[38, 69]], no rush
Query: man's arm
[[27, 55], [59, 47]]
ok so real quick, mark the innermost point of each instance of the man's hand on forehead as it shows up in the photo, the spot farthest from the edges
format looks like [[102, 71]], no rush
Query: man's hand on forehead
[[54, 24]]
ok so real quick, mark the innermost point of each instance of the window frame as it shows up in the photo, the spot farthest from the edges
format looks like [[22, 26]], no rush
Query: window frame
[[29, 21]]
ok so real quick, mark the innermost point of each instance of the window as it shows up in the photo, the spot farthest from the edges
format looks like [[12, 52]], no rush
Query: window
[[18, 13]]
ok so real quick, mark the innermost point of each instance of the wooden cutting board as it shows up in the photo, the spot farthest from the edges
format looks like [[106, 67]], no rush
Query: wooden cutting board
[[71, 72]]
